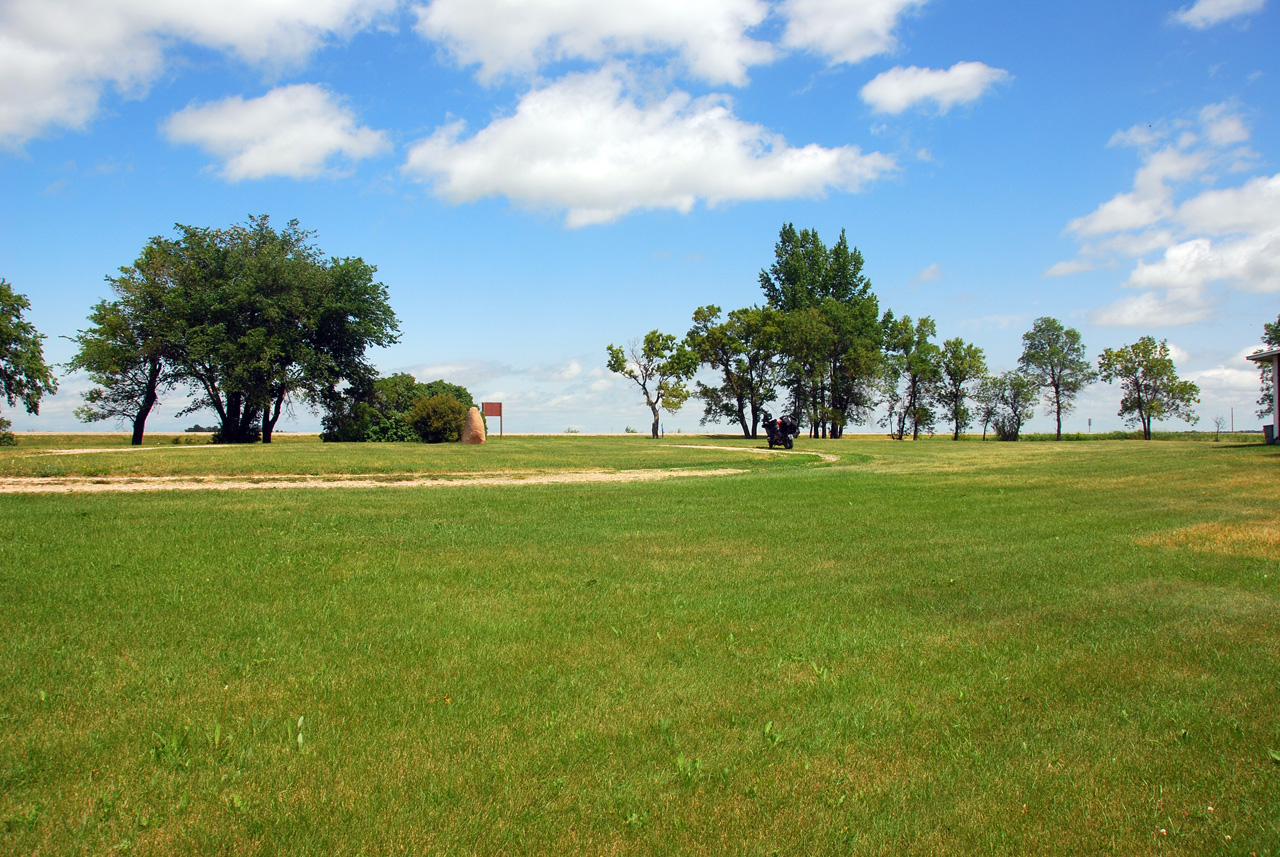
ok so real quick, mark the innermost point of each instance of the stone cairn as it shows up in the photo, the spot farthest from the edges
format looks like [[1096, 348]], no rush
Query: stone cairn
[[473, 430]]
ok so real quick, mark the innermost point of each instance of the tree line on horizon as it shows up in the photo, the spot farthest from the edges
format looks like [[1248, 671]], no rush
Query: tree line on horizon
[[250, 321], [821, 348]]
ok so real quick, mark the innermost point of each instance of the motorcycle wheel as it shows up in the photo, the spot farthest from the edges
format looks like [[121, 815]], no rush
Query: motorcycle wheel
[[790, 443]]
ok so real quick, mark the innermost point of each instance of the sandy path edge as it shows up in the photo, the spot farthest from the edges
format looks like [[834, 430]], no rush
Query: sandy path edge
[[78, 485]]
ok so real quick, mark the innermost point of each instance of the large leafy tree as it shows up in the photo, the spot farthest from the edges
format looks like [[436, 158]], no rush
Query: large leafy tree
[[913, 370], [127, 351], [1015, 396], [831, 333], [24, 376], [1151, 386], [661, 366], [963, 368], [248, 318], [1270, 338], [743, 351], [1054, 357]]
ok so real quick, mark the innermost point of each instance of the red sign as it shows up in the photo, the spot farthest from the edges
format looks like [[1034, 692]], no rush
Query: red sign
[[491, 409]]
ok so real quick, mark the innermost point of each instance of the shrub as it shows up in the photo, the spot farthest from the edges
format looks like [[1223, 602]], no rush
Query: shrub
[[438, 418], [7, 438]]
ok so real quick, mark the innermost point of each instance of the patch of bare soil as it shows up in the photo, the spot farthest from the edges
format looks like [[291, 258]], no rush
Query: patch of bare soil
[[78, 484], [825, 456]]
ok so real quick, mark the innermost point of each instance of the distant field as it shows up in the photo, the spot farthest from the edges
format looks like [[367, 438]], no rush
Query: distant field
[[919, 648]]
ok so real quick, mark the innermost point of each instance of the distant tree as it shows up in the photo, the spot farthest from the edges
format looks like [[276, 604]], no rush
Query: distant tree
[[1219, 423], [1015, 400], [438, 418], [1271, 339], [127, 350], [1054, 357], [743, 349], [1152, 388], [987, 402], [660, 366], [914, 369], [831, 334], [24, 376], [963, 368]]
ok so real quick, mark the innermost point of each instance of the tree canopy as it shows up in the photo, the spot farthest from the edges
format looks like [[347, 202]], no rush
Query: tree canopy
[[661, 366], [830, 331], [1150, 383], [963, 368], [1054, 357], [24, 376], [1271, 339], [248, 318]]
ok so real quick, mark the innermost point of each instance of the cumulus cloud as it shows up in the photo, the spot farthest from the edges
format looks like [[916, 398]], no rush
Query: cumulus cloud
[[1184, 250], [844, 31], [1206, 13], [293, 131], [58, 56], [899, 89], [588, 145], [504, 37], [929, 274], [712, 38]]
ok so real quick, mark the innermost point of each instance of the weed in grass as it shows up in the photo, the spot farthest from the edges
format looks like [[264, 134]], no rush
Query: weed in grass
[[689, 771], [170, 749]]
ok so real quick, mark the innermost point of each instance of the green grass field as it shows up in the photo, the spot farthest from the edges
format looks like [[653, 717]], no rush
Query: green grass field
[[922, 648]]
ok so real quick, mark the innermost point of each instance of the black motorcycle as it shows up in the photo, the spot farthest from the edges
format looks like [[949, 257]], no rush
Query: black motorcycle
[[782, 431]]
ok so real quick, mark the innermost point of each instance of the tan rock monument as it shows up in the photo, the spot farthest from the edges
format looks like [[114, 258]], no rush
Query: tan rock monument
[[473, 430]]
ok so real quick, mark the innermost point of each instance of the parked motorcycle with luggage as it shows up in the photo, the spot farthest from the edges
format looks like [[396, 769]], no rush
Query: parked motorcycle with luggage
[[782, 431]]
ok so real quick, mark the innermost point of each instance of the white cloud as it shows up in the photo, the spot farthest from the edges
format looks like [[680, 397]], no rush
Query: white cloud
[[1251, 208], [1206, 13], [844, 31], [930, 274], [899, 89], [294, 131], [1074, 266], [505, 37], [1185, 253], [587, 145], [57, 56], [1152, 310]]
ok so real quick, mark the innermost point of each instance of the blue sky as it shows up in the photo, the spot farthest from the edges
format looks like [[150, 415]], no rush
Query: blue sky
[[536, 179]]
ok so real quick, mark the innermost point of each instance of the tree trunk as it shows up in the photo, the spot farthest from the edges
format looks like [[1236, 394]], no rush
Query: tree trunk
[[656, 419], [140, 419], [270, 416], [148, 401]]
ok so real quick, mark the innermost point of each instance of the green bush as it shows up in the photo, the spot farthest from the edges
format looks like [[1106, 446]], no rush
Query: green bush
[[7, 438], [438, 418]]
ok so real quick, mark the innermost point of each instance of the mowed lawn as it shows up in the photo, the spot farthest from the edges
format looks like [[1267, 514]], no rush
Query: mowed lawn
[[923, 648]]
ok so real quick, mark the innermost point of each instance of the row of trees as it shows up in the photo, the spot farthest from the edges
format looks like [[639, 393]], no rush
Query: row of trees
[[821, 347]]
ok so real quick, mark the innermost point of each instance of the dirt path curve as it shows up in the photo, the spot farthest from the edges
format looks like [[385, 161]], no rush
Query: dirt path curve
[[91, 485], [87, 485], [825, 456]]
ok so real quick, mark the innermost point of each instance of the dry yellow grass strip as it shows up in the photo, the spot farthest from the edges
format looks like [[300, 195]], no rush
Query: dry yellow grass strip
[[1257, 538], [70, 485]]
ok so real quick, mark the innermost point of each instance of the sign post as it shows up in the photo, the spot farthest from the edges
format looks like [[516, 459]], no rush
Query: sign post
[[493, 409]]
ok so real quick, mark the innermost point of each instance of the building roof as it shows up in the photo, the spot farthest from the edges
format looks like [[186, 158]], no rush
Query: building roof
[[1264, 355]]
